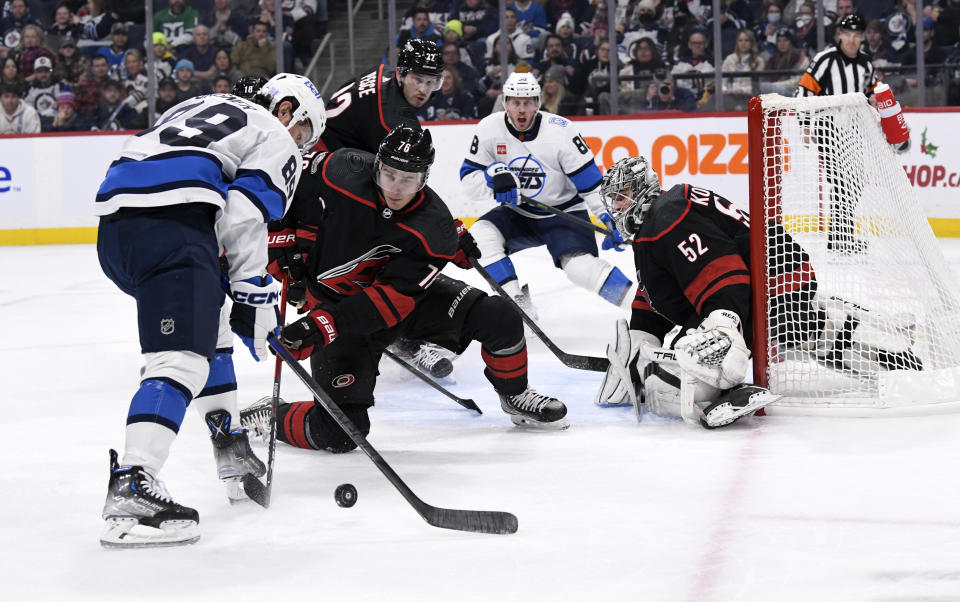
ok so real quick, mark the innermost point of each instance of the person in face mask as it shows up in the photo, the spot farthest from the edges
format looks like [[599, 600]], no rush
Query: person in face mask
[[806, 26], [766, 29]]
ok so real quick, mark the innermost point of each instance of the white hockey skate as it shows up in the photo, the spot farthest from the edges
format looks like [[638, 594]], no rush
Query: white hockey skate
[[534, 410], [139, 512], [734, 404], [525, 302], [231, 448]]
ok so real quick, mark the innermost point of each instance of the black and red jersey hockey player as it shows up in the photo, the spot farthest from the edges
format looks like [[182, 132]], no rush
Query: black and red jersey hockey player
[[363, 111], [371, 241], [692, 254]]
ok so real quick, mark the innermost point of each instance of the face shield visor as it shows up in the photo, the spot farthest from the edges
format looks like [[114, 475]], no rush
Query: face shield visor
[[398, 182]]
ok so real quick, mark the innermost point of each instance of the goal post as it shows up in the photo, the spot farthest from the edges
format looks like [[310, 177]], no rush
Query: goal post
[[881, 334]]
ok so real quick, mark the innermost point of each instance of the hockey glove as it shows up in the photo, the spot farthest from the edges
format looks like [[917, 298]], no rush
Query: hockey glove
[[614, 239], [255, 313], [503, 182], [317, 327], [715, 352], [285, 260], [468, 247]]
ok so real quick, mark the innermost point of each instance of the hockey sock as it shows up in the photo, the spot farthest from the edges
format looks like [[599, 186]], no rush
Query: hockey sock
[[292, 424], [506, 368], [220, 390], [616, 288], [505, 274], [155, 415], [305, 424]]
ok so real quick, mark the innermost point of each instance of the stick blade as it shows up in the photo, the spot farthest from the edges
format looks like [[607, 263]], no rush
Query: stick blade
[[586, 362], [256, 490], [474, 521]]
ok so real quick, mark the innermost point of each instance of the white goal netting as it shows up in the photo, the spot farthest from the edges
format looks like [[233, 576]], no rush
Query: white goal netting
[[883, 329]]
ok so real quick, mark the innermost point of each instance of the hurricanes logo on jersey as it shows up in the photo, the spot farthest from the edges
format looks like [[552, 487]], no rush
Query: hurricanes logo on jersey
[[530, 173], [357, 274]]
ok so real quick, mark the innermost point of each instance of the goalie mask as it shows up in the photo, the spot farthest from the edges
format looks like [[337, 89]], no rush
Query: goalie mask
[[627, 190]]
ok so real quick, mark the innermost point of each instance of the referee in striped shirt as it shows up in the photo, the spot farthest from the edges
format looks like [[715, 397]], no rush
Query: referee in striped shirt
[[841, 69]]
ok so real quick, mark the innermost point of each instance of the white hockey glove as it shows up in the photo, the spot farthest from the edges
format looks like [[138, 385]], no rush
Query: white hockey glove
[[255, 313], [618, 387], [715, 352], [503, 182]]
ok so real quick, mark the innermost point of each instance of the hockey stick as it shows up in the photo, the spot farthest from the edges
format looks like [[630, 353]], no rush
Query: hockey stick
[[252, 486], [581, 362], [570, 218], [476, 521], [467, 403]]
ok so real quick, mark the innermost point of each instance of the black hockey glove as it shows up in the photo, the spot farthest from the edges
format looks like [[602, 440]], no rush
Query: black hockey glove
[[467, 248], [285, 262]]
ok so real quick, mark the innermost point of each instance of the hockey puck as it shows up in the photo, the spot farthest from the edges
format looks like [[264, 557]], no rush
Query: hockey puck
[[346, 495]]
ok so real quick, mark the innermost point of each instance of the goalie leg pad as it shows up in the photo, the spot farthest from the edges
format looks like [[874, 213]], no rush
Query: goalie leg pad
[[662, 385], [620, 383]]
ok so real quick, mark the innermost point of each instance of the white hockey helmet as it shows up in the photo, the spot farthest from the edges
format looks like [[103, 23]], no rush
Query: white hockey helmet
[[521, 85], [309, 103]]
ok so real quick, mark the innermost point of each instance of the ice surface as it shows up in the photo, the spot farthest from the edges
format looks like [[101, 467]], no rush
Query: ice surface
[[777, 508]]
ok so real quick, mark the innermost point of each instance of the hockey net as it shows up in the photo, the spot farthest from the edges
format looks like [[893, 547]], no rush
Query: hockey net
[[882, 333]]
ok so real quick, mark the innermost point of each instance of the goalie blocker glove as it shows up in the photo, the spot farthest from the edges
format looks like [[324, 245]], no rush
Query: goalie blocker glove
[[503, 182], [467, 247], [255, 313], [715, 352], [318, 326]]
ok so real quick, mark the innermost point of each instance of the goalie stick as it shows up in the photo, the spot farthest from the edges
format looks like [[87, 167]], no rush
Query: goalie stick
[[580, 362], [476, 521], [467, 403], [255, 489]]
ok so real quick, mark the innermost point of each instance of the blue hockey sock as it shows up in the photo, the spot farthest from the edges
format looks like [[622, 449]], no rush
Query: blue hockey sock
[[162, 401], [615, 287], [502, 271]]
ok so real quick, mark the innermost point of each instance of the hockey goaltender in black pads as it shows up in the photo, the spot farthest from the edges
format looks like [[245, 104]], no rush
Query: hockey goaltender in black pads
[[371, 239], [686, 349]]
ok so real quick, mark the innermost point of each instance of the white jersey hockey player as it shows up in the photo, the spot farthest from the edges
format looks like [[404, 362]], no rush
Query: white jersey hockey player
[[201, 183], [525, 152]]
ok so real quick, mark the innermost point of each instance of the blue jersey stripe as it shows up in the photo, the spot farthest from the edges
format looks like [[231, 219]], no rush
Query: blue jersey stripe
[[257, 186], [587, 177], [470, 166], [158, 174]]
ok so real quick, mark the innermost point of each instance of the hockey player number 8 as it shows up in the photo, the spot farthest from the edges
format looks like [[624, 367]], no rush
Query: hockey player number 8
[[206, 127]]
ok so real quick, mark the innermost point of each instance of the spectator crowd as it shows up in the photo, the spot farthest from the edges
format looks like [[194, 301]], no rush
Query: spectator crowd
[[75, 65]]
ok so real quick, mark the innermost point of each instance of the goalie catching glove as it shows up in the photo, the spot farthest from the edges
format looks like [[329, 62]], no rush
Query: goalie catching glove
[[255, 313], [715, 352], [318, 326]]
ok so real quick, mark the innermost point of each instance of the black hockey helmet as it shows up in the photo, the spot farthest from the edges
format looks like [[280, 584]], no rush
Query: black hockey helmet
[[853, 22], [420, 56], [406, 148], [247, 86]]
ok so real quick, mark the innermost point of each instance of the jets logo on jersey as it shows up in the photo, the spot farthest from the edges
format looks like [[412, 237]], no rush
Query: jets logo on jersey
[[530, 173], [351, 277]]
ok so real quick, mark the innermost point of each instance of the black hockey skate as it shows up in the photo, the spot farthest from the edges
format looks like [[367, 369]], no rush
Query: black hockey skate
[[733, 404], [423, 356], [231, 448], [531, 409], [136, 499], [256, 419]]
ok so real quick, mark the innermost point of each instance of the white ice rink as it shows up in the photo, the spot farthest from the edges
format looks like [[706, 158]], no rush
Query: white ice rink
[[771, 509]]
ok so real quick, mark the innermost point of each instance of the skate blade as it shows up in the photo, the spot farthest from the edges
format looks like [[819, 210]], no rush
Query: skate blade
[[725, 414], [235, 491], [128, 533], [535, 425]]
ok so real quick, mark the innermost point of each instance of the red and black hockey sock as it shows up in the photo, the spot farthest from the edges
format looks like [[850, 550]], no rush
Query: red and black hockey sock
[[306, 424], [506, 369]]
